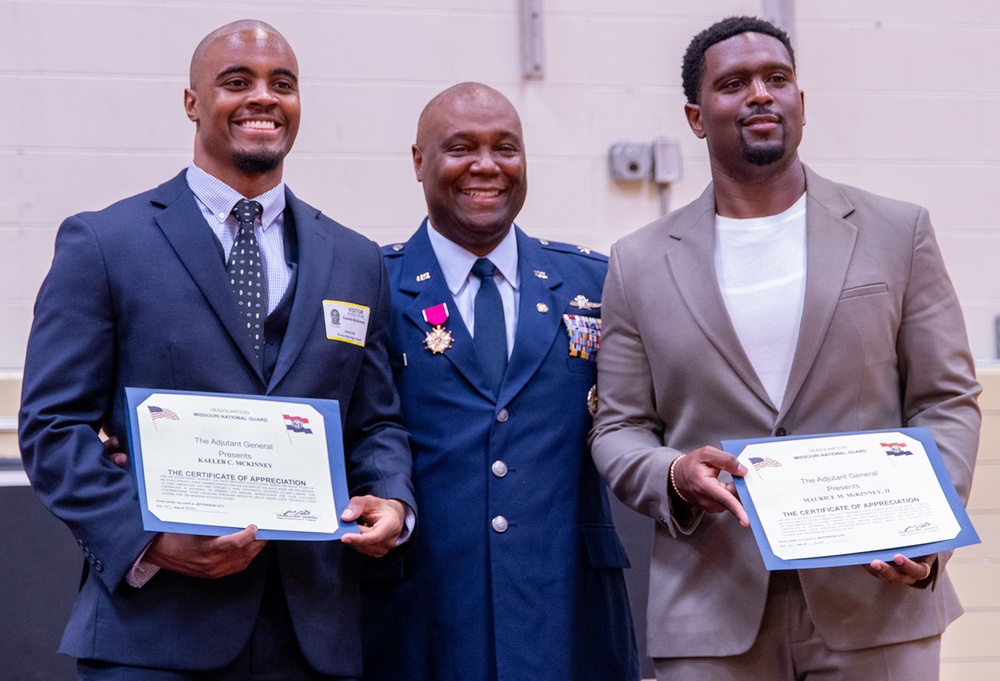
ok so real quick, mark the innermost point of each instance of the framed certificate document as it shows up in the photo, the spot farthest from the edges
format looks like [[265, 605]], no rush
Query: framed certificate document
[[212, 463], [849, 498]]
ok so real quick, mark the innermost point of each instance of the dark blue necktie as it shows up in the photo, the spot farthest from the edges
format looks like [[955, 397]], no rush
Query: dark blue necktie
[[246, 272], [490, 333]]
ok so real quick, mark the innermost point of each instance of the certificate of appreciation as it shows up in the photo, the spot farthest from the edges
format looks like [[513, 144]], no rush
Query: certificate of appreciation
[[211, 464], [849, 498]]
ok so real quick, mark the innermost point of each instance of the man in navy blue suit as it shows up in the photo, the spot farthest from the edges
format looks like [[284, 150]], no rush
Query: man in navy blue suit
[[139, 295], [516, 572]]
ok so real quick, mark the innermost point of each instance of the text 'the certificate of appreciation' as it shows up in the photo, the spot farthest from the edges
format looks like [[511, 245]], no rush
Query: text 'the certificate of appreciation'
[[211, 464], [849, 498]]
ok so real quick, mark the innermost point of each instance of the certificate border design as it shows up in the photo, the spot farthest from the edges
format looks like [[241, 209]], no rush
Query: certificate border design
[[966, 536], [330, 409]]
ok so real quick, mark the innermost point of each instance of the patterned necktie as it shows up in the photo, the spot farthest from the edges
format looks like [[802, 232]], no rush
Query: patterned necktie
[[246, 272], [490, 332]]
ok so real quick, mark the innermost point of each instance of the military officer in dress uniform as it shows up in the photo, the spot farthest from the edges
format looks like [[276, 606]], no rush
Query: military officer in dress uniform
[[516, 570]]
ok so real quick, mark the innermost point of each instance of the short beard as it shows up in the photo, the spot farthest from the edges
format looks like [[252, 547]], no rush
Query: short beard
[[255, 163], [764, 155]]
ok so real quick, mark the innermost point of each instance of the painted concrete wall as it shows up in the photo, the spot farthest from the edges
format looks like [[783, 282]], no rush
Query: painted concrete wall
[[900, 100]]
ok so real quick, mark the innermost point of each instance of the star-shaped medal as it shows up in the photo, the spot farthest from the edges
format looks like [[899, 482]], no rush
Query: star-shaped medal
[[438, 340]]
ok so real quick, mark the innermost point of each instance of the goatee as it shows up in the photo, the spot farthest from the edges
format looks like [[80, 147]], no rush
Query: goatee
[[254, 163], [764, 154]]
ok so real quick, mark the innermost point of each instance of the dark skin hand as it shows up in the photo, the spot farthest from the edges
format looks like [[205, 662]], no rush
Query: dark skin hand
[[697, 478], [902, 570], [380, 522], [696, 475], [207, 557], [113, 450]]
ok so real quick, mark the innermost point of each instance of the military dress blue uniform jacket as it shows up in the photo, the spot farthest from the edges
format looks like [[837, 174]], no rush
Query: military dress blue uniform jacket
[[138, 296], [539, 594]]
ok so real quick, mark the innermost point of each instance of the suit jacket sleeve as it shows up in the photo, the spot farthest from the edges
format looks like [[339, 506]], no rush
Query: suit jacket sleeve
[[939, 388], [67, 396], [376, 443], [627, 436]]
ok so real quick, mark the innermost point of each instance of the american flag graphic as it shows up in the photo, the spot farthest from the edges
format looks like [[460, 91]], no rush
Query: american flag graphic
[[764, 462], [159, 413]]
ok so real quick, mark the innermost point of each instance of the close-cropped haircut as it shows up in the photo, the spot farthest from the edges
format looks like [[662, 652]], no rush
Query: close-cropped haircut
[[693, 67]]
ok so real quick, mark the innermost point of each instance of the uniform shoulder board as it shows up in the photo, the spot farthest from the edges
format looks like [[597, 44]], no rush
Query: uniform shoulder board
[[561, 247], [393, 249]]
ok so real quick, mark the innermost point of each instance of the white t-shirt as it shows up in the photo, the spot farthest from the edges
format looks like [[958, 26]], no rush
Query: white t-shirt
[[761, 267]]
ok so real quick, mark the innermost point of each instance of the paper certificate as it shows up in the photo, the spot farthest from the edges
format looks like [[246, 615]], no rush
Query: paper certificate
[[846, 499], [211, 464]]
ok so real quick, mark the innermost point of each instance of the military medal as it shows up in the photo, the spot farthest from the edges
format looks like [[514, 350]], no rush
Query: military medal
[[438, 339], [584, 335], [592, 400]]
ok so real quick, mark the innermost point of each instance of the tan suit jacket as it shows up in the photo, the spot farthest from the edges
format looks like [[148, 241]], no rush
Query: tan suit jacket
[[882, 344]]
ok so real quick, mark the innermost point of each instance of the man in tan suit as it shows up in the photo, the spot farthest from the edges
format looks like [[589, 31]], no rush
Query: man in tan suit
[[778, 303]]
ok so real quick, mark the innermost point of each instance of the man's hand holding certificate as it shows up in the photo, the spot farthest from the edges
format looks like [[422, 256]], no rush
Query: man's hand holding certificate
[[848, 499]]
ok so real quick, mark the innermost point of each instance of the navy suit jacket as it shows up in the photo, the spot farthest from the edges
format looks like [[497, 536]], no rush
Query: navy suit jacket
[[545, 598], [137, 296]]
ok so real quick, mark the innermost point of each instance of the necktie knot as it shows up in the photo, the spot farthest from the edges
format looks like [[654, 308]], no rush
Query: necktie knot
[[247, 211], [483, 268]]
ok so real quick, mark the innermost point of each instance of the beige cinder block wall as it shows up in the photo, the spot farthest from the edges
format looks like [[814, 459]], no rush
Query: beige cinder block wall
[[969, 650], [900, 100]]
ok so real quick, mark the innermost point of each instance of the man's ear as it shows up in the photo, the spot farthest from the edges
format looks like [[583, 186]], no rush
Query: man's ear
[[191, 104], [693, 113], [418, 161]]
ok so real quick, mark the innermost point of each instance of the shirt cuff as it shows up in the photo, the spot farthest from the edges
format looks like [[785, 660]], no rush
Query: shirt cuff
[[141, 571], [408, 524]]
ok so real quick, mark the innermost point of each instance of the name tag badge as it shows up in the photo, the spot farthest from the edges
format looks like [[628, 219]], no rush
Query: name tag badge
[[346, 322]]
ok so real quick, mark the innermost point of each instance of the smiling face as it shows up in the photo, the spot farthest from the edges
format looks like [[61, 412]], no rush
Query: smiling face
[[244, 100], [469, 156], [750, 108]]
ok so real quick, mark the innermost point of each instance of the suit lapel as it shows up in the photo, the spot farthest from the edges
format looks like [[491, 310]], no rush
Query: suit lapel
[[691, 255], [428, 291], [315, 268], [536, 329], [184, 227], [829, 247]]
